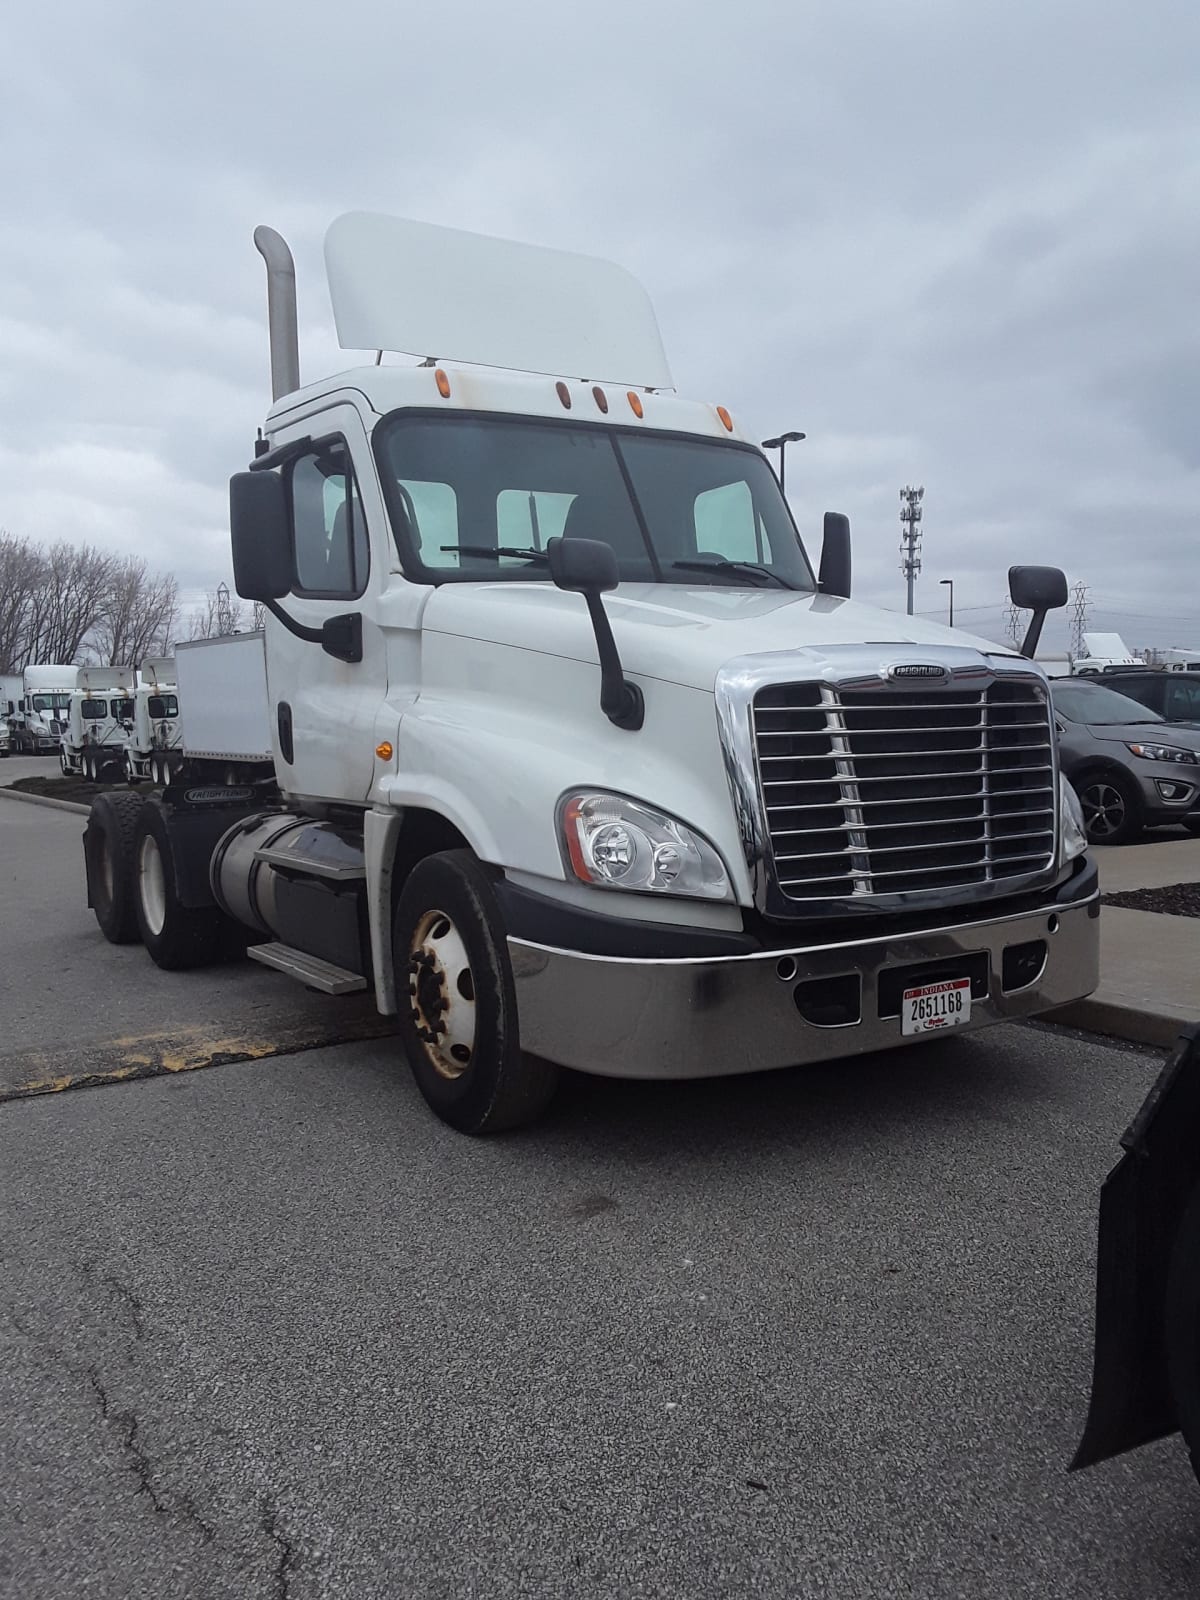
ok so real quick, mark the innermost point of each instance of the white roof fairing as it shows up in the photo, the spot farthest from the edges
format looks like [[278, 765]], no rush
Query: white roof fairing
[[422, 290]]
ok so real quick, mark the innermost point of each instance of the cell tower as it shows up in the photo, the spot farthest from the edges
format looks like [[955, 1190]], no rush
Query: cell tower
[[910, 536], [1079, 618]]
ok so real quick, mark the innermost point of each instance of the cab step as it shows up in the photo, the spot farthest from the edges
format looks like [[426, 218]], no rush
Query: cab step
[[309, 970]]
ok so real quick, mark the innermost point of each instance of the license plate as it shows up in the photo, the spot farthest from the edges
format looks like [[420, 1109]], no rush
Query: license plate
[[936, 1006]]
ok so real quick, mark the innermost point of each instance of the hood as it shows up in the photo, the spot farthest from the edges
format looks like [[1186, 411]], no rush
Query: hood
[[680, 634], [1186, 735]]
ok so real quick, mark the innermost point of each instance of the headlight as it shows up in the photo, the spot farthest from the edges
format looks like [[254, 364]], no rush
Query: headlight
[[616, 843], [1163, 752], [1072, 831]]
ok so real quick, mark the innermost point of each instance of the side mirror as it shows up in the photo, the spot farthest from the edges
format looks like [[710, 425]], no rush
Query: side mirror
[[834, 576], [1040, 590], [589, 567], [259, 533], [583, 565]]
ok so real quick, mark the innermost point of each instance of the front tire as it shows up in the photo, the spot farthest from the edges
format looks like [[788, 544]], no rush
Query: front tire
[[108, 843], [1112, 808], [458, 1006], [178, 937]]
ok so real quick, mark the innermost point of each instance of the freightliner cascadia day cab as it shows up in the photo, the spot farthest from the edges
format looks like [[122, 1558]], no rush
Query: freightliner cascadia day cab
[[578, 762], [98, 716], [41, 715], [152, 736]]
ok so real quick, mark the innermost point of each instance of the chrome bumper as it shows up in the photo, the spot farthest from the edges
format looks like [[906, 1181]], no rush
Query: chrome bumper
[[705, 1018]]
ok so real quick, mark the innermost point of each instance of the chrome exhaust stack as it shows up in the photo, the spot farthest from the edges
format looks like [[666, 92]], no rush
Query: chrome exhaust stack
[[281, 310]]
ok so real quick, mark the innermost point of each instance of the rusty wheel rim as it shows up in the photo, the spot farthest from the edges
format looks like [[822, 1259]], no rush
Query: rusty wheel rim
[[441, 995]]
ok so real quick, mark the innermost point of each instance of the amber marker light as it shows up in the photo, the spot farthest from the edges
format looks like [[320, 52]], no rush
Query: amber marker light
[[384, 750], [443, 383], [635, 403], [725, 418]]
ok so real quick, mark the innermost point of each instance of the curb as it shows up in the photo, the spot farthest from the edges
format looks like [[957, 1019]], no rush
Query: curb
[[44, 800], [1123, 1018]]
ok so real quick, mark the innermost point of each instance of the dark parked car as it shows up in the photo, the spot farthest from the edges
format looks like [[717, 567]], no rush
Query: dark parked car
[[1130, 768], [1174, 695]]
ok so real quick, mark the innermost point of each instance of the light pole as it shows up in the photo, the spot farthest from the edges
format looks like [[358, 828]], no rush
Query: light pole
[[949, 582], [781, 444]]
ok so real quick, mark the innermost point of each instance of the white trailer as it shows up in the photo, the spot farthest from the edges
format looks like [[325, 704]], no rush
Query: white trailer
[[98, 715], [41, 714], [153, 735], [224, 713], [1179, 660], [578, 760]]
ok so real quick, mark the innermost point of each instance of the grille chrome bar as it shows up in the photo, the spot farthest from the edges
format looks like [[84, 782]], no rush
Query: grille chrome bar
[[845, 778]]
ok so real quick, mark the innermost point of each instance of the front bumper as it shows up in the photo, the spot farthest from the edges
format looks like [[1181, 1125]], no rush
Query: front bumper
[[710, 1016]]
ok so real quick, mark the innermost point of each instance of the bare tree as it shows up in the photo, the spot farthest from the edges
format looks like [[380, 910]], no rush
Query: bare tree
[[22, 570], [69, 601], [221, 614], [139, 614]]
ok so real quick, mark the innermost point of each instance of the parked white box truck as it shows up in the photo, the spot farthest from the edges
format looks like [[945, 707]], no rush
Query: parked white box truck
[[578, 760], [98, 713], [40, 717], [152, 735]]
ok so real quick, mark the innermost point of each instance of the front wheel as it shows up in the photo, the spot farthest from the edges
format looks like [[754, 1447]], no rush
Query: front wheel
[[1112, 808], [458, 1006], [177, 936], [63, 762]]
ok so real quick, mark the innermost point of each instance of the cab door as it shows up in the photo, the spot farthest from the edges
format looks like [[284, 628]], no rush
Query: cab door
[[322, 708]]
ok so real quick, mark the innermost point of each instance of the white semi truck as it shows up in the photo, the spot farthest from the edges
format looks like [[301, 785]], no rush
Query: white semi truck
[[94, 730], [40, 717], [578, 760], [152, 732], [10, 694]]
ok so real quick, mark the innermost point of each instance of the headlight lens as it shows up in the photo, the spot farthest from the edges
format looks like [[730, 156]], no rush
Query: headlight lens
[[614, 843], [1072, 831], [1163, 752]]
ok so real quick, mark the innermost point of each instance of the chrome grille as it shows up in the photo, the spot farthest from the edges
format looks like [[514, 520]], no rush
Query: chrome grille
[[878, 791]]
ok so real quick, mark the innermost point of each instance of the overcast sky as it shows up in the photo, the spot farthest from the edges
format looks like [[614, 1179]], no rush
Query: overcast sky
[[956, 242]]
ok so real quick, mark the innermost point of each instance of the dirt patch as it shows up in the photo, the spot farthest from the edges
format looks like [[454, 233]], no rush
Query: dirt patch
[[1176, 900], [58, 787]]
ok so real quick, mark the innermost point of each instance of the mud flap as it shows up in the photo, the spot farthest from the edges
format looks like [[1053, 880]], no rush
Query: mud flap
[[1141, 1204]]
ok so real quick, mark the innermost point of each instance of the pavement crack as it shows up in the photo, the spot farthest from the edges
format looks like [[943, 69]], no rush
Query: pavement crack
[[125, 1425], [286, 1555], [130, 1300]]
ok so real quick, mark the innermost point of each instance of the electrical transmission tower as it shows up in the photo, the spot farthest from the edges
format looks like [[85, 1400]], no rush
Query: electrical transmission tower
[[1079, 618], [910, 536], [224, 610], [260, 612], [1012, 622]]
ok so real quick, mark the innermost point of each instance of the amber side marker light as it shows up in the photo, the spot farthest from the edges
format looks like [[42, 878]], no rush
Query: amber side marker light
[[725, 418], [564, 394], [384, 751], [601, 399], [443, 383], [635, 403]]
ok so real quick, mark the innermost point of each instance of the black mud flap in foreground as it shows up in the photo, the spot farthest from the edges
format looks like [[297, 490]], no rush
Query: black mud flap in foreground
[[1141, 1204]]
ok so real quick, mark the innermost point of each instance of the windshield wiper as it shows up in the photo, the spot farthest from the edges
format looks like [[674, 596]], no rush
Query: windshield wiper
[[496, 550], [733, 566]]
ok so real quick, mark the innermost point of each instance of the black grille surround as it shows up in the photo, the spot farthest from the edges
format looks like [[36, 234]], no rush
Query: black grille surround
[[872, 791]]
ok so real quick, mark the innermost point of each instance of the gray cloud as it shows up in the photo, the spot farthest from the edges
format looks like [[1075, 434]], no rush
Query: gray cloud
[[956, 244]]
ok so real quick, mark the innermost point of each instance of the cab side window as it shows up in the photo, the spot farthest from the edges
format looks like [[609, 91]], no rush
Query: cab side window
[[329, 531], [1183, 702]]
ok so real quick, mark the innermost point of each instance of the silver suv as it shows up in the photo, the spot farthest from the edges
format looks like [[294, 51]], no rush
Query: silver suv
[[1131, 769]]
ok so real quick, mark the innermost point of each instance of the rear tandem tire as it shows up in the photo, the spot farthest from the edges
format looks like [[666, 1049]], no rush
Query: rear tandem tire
[[1181, 1328], [178, 937], [457, 1002], [108, 843]]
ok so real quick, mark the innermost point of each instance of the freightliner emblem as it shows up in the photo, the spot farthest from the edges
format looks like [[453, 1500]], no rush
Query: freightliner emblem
[[917, 669]]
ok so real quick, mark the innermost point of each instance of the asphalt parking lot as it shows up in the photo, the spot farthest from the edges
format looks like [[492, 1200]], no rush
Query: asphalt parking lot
[[270, 1330]]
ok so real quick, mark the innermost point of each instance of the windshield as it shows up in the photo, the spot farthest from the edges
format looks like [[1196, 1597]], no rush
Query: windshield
[[51, 702], [1088, 702], [477, 498], [161, 705], [93, 710]]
